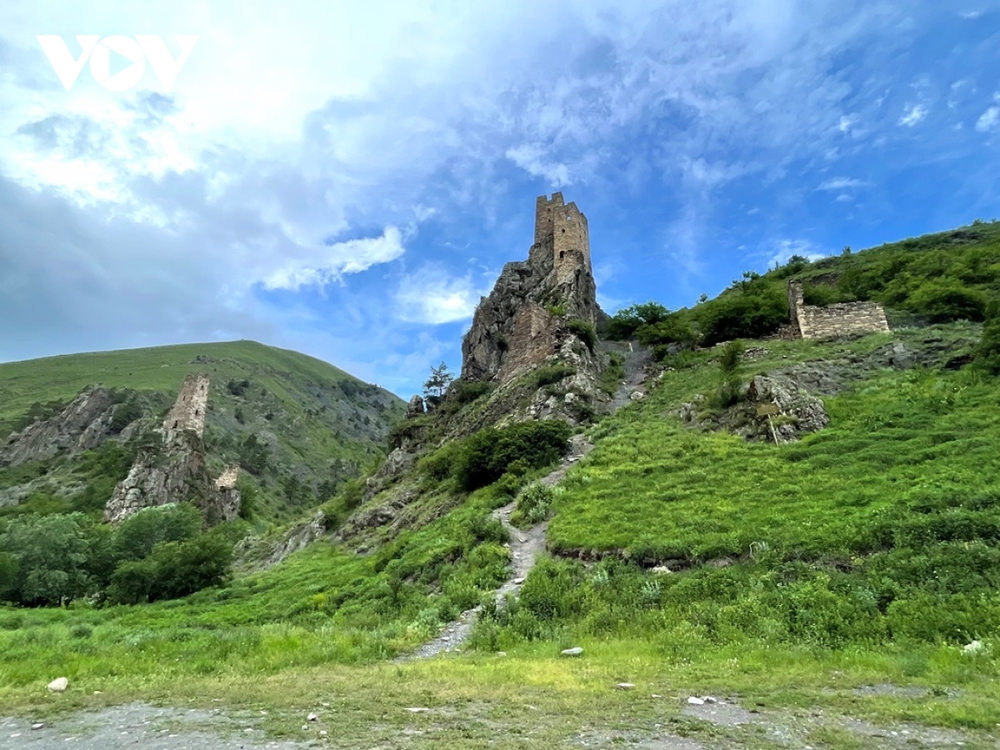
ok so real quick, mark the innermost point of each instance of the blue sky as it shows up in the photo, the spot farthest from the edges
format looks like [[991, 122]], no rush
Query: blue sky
[[346, 179]]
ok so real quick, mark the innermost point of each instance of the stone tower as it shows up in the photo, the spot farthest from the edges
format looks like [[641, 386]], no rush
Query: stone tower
[[188, 411], [524, 320], [562, 230]]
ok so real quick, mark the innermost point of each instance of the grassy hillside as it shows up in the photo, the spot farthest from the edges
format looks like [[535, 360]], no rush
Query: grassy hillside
[[318, 425]]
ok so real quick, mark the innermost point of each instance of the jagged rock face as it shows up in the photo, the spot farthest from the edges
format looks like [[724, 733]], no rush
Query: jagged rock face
[[83, 425], [515, 328], [177, 474]]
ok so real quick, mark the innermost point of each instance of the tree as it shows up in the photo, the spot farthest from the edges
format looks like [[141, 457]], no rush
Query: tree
[[46, 558], [437, 384]]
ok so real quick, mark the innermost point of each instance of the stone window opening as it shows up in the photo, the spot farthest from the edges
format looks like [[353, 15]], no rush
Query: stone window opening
[[175, 424], [561, 254]]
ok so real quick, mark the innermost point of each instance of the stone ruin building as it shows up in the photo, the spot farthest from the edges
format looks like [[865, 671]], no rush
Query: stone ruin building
[[521, 323], [842, 319], [176, 472]]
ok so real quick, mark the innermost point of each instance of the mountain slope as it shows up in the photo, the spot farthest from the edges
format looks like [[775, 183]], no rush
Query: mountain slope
[[305, 425]]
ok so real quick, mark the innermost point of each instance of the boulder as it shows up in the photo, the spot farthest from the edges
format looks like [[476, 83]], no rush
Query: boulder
[[58, 685]]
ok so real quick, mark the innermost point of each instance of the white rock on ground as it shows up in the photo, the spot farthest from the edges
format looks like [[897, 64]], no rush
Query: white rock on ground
[[58, 685], [575, 651]]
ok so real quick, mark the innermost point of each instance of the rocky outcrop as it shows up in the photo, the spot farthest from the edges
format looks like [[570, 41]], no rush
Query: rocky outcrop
[[415, 408], [83, 425], [771, 408]]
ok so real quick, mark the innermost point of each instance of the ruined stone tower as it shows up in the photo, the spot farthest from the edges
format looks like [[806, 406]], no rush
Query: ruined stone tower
[[188, 411], [562, 230], [526, 319]]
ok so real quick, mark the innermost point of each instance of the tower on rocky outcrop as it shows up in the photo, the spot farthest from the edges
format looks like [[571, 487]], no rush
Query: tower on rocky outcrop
[[175, 471], [526, 318]]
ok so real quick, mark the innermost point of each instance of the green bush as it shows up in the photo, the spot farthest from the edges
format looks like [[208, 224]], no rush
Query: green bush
[[551, 374], [624, 323], [125, 414], [487, 455], [942, 301], [174, 569], [463, 392], [534, 504], [744, 315], [584, 331], [47, 558], [988, 350], [675, 329]]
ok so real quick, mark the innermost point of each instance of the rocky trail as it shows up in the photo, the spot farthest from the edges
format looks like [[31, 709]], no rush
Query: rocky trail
[[526, 545]]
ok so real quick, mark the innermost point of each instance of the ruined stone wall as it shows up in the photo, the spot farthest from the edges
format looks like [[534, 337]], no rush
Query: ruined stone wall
[[188, 412], [841, 319], [530, 341]]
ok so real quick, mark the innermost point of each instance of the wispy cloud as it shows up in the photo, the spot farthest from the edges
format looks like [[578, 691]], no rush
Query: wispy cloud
[[532, 160], [988, 120], [330, 263], [432, 297], [837, 184], [913, 115]]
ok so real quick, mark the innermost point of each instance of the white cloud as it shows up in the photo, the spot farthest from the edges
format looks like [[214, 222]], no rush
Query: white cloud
[[913, 115], [329, 263], [431, 296], [842, 183], [989, 120], [846, 123], [532, 160]]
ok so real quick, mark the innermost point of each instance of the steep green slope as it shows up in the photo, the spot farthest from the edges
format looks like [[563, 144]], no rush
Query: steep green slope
[[310, 426]]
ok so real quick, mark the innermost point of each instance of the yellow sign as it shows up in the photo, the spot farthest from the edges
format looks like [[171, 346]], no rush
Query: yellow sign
[[767, 410]]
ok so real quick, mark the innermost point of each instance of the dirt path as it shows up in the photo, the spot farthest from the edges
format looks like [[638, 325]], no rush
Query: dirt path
[[636, 359], [526, 545]]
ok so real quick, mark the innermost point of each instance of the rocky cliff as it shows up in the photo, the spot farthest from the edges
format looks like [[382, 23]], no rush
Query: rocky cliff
[[84, 424]]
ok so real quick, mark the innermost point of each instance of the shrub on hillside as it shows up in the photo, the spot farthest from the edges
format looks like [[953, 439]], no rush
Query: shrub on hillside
[[551, 374], [463, 392], [487, 455], [988, 351], [174, 569], [744, 314], [624, 323], [584, 331], [46, 558], [942, 301]]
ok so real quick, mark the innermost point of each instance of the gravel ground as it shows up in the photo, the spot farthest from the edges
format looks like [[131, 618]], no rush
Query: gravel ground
[[138, 725]]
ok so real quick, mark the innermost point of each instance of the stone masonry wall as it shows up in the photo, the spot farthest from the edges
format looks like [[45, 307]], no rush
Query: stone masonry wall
[[188, 412], [834, 320]]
